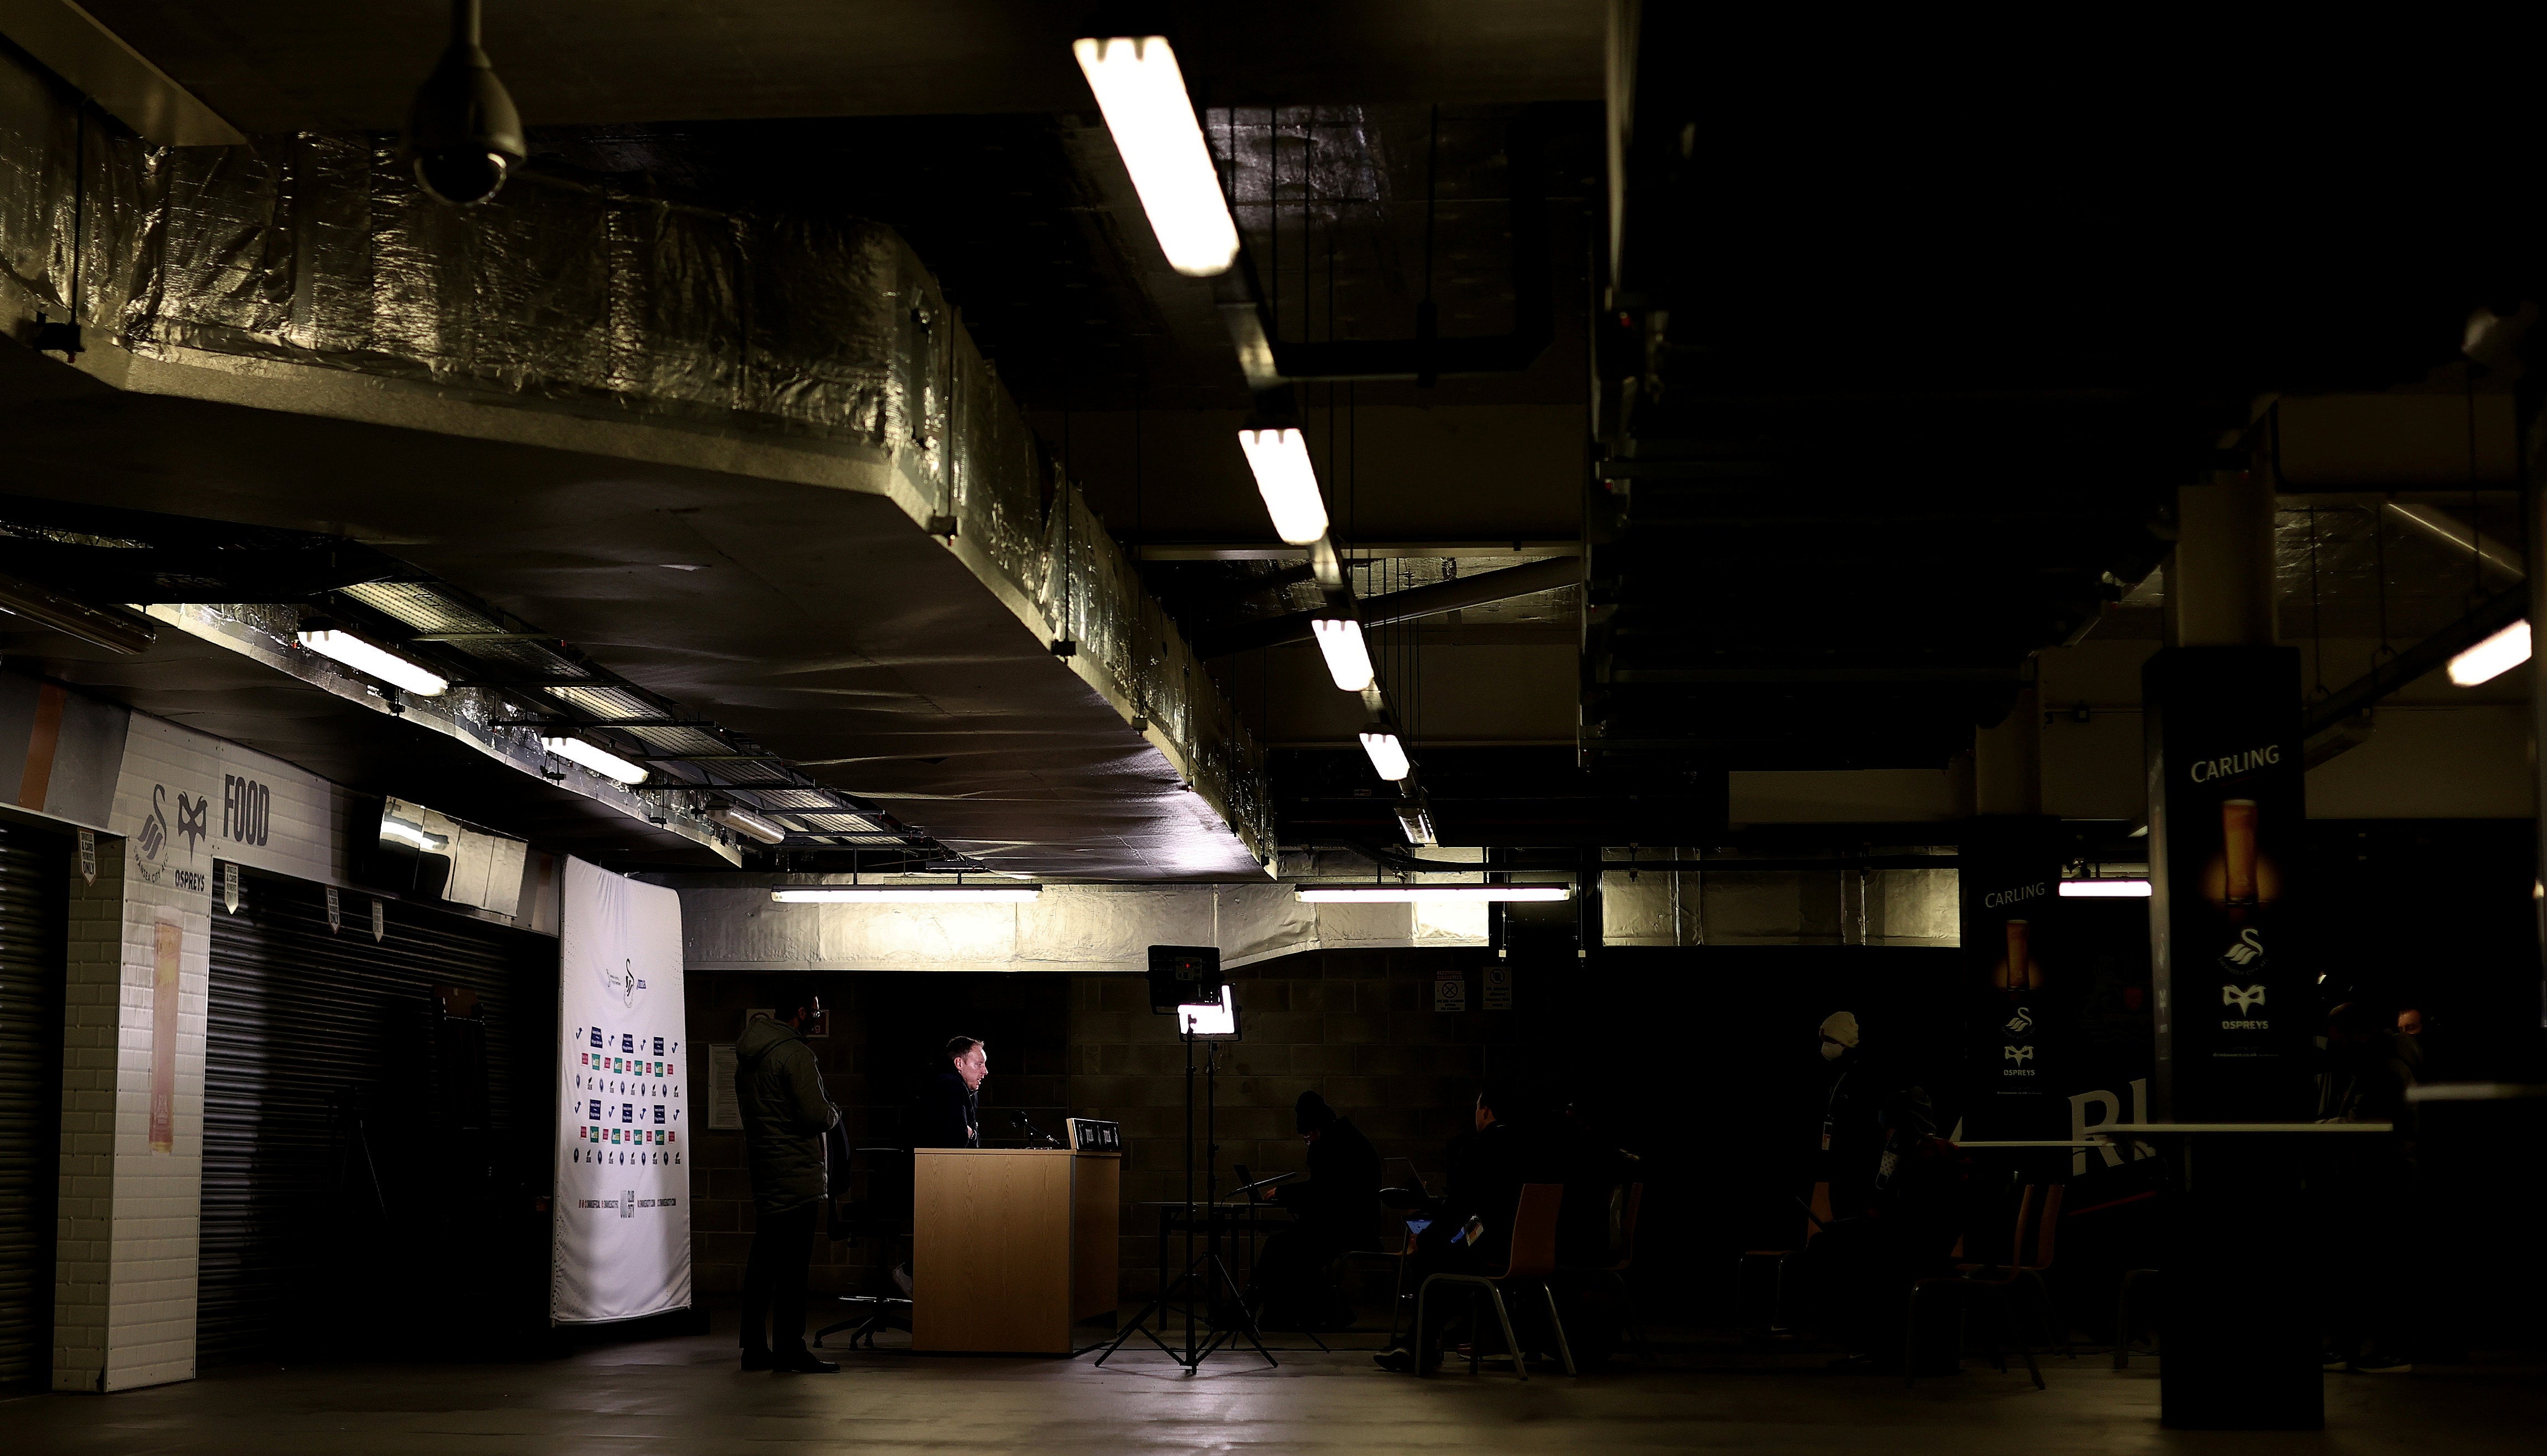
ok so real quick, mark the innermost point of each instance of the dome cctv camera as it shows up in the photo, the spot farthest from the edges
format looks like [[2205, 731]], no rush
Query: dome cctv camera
[[463, 135]]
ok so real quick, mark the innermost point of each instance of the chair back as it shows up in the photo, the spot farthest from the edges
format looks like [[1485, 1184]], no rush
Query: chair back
[[2046, 1226], [1627, 1227], [1533, 1232], [1821, 1207]]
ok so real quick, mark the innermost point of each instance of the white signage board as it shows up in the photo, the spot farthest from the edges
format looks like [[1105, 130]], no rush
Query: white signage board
[[186, 798], [621, 1248]]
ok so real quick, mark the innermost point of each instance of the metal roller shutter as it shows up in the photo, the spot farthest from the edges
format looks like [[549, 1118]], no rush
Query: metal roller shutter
[[376, 1136], [32, 913]]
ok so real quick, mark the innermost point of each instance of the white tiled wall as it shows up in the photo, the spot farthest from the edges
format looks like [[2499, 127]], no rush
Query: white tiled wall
[[129, 1217]]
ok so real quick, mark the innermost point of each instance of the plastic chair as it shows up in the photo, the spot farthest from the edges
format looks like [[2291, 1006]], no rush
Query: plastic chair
[[1615, 1271], [2123, 1317], [1530, 1262], [1994, 1280], [1400, 1259], [2038, 1229], [1822, 1215]]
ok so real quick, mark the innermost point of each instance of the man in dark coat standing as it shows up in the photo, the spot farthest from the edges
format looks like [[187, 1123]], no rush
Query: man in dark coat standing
[[778, 1087]]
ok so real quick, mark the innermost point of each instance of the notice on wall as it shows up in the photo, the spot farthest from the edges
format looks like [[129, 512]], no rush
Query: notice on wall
[[622, 1232], [166, 949], [1450, 991], [725, 1115], [1499, 987]]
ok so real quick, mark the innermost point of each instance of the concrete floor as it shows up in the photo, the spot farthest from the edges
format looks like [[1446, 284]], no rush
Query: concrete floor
[[686, 1396]]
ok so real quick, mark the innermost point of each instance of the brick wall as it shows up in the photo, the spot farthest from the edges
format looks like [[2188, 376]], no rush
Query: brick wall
[[129, 1217], [1358, 1027], [884, 1030]]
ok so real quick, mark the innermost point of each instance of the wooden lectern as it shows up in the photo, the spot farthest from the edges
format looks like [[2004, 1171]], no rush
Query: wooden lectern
[[1011, 1246]]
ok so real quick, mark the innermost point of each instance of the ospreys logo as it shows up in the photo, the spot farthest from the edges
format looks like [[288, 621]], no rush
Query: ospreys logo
[[2243, 997], [153, 842], [2018, 1055]]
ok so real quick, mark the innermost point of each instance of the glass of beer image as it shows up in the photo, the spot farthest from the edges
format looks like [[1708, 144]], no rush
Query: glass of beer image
[[2238, 849], [2018, 972]]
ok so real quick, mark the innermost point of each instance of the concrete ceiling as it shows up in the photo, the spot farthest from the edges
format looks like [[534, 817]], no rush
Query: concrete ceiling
[[822, 622], [283, 65]]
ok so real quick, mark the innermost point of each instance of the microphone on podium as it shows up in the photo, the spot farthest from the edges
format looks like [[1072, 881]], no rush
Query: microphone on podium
[[1034, 1134]]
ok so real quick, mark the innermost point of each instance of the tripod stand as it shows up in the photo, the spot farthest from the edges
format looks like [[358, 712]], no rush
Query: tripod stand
[[1206, 1279]]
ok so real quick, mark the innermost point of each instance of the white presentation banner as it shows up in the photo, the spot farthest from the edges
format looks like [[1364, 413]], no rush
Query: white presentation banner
[[622, 1244]]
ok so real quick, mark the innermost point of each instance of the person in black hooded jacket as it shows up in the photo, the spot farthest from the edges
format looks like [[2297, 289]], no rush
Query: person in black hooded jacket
[[1336, 1210]]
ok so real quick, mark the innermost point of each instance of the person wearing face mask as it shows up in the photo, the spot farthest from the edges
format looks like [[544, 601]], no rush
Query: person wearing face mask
[[1894, 1193]]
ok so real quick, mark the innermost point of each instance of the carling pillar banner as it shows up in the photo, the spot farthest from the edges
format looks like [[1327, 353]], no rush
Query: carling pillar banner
[[2236, 1006], [2021, 980], [621, 1248]]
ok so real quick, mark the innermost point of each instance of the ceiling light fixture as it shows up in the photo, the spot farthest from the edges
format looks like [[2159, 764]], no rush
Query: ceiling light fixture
[[1431, 894], [1347, 656], [2105, 889], [463, 135], [744, 822], [1415, 822], [1289, 483], [908, 895], [110, 628], [1142, 92], [370, 657], [1387, 755], [600, 760], [2493, 657]]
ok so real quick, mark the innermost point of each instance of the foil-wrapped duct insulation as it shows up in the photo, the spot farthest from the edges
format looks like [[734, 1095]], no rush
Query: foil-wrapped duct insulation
[[316, 251]]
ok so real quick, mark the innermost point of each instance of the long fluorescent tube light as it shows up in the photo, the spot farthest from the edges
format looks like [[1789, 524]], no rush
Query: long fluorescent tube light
[[1289, 483], [907, 894], [2105, 889], [1347, 654], [111, 627], [1415, 822], [600, 760], [1387, 756], [1142, 93], [379, 661], [2493, 657], [745, 821], [1412, 894]]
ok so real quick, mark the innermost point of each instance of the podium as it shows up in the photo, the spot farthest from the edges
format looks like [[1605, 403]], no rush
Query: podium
[[1011, 1246]]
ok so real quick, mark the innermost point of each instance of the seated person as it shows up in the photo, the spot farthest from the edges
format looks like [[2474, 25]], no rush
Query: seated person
[[1336, 1210], [1471, 1228]]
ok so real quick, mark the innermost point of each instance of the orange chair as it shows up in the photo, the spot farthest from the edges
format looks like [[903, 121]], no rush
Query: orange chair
[[1532, 1261], [1615, 1271], [2031, 1253], [1821, 1216], [2037, 1209]]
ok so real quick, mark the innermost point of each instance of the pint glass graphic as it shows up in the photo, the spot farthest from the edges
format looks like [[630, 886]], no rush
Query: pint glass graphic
[[2238, 849], [2019, 973]]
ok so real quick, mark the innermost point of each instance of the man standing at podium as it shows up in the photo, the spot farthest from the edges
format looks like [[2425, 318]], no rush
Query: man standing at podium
[[950, 1106], [778, 1087]]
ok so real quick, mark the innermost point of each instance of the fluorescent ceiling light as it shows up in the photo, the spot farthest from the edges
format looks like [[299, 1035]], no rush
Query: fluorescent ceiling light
[[1142, 93], [2493, 657], [2105, 889], [380, 662], [1387, 756], [1289, 485], [1415, 822], [1407, 893], [907, 895], [600, 760], [744, 822], [1347, 656]]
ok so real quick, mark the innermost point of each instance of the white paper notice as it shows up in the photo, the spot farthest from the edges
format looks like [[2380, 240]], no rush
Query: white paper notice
[[622, 1244]]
